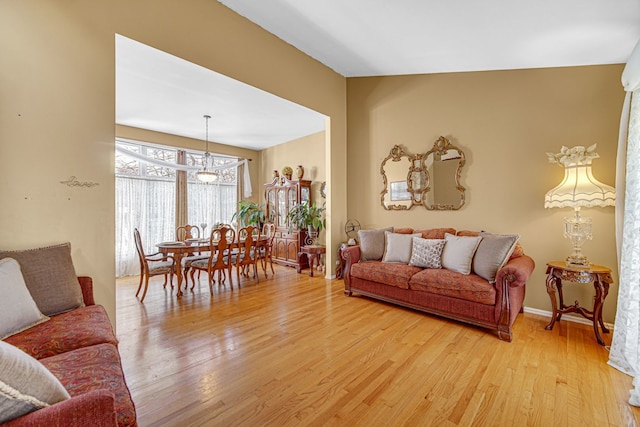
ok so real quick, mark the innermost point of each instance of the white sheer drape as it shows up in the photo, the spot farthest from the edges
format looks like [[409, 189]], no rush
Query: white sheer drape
[[625, 346], [149, 206], [210, 204]]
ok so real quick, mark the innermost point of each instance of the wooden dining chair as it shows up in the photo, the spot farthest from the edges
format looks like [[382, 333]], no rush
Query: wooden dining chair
[[155, 264], [220, 259], [265, 248], [185, 232], [247, 255]]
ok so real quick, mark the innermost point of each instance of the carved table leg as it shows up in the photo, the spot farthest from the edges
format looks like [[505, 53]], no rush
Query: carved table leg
[[311, 258], [597, 310], [551, 290]]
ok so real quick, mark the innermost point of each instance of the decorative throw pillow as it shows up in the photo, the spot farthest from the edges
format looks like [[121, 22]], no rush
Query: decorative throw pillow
[[493, 253], [50, 277], [25, 384], [427, 253], [372, 244], [398, 247], [18, 310], [458, 251]]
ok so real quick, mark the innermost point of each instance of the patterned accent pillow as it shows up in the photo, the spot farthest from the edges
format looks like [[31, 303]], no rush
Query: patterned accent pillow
[[427, 253], [25, 384], [372, 244], [458, 252], [50, 277], [18, 310]]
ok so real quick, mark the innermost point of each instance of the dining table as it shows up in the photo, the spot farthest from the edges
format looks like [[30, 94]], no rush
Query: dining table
[[179, 249]]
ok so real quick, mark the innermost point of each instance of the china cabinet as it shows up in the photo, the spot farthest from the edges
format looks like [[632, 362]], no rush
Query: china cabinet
[[281, 195]]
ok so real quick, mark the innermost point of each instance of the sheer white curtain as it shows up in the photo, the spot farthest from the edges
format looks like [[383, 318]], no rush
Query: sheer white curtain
[[146, 204], [625, 346], [210, 204]]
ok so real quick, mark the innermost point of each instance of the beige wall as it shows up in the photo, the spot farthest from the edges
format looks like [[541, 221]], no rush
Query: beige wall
[[505, 121], [58, 103], [307, 151]]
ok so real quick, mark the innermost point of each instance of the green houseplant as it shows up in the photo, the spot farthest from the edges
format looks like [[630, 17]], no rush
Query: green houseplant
[[249, 213], [304, 215]]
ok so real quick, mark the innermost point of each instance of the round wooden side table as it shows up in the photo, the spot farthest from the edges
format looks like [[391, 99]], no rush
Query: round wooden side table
[[557, 271]]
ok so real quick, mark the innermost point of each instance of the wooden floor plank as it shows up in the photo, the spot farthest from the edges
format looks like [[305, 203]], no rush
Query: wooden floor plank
[[293, 350]]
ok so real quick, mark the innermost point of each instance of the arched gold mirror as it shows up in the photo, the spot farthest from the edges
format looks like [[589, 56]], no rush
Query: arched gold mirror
[[404, 180], [431, 179], [443, 164]]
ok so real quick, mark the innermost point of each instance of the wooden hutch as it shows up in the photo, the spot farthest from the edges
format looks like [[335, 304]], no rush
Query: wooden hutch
[[280, 196]]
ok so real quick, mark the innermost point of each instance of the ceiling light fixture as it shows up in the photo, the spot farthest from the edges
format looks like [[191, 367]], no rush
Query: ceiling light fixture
[[205, 175]]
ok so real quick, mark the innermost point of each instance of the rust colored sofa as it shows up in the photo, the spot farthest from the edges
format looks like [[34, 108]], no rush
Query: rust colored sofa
[[463, 297], [79, 348]]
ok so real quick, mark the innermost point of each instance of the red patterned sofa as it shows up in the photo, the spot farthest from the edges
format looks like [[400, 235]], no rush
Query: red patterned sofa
[[80, 348], [464, 297]]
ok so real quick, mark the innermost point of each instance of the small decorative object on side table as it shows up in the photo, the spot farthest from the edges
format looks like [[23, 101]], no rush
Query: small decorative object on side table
[[601, 278], [313, 252]]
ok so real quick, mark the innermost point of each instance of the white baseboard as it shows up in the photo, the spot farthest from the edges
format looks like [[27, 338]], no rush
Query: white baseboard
[[567, 317]]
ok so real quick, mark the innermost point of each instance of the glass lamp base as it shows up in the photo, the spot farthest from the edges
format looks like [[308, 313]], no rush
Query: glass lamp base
[[577, 261], [578, 230]]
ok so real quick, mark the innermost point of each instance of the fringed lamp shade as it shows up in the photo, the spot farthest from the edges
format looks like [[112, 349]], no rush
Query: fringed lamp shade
[[578, 189]]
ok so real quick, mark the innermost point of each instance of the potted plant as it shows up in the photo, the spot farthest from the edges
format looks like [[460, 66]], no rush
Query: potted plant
[[249, 213], [310, 216]]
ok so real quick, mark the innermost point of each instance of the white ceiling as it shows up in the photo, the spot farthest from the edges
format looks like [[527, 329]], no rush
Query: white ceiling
[[160, 92]]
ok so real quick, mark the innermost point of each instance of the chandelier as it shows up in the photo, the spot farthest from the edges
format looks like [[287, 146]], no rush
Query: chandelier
[[205, 175]]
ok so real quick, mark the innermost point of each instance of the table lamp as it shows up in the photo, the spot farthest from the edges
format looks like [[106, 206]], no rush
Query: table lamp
[[578, 189]]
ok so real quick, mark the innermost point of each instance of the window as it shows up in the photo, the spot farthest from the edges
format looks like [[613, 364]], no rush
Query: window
[[146, 197]]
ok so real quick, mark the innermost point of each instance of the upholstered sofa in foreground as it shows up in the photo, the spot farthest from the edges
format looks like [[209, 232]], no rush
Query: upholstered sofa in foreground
[[63, 368], [473, 277]]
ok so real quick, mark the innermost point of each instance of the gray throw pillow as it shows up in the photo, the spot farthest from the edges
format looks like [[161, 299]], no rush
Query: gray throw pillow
[[50, 277], [493, 253], [398, 247], [458, 251], [427, 253], [18, 310], [25, 384], [372, 244]]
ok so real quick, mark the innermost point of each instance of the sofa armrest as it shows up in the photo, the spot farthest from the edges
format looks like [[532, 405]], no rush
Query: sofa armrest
[[95, 408], [517, 271], [86, 284], [350, 255]]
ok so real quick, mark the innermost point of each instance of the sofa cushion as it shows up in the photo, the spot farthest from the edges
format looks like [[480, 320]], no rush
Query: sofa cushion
[[458, 252], [93, 368], [435, 233], [493, 253], [392, 274], [449, 283], [398, 247], [18, 310], [427, 253], [50, 277], [25, 384], [372, 244], [64, 332]]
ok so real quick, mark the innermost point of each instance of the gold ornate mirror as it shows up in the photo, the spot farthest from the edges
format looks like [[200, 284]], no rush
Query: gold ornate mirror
[[443, 164], [431, 179]]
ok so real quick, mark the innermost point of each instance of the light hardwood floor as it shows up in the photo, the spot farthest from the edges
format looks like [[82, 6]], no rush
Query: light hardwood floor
[[296, 351]]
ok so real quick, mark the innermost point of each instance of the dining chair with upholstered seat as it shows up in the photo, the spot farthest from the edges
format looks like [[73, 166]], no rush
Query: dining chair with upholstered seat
[[220, 260], [183, 233], [155, 264], [247, 255], [265, 248]]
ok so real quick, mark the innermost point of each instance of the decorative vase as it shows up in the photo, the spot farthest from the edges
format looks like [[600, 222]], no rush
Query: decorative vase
[[287, 172], [299, 172], [276, 174]]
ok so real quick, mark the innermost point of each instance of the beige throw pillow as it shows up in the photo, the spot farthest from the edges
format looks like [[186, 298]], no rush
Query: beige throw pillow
[[372, 244], [18, 310], [493, 253], [25, 384], [458, 251], [50, 277], [398, 247]]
